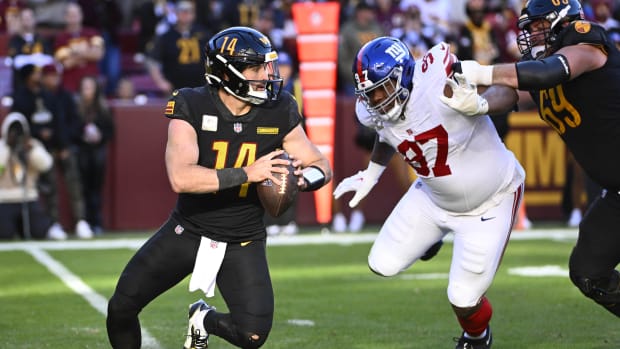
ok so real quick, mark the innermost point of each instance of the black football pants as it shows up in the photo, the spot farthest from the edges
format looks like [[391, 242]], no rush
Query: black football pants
[[597, 252], [165, 260]]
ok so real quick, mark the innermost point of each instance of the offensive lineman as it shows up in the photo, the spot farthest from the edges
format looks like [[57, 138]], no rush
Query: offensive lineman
[[222, 139], [572, 71], [468, 183]]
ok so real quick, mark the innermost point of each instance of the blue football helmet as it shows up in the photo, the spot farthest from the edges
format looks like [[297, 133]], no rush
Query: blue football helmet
[[230, 52], [538, 42], [383, 74]]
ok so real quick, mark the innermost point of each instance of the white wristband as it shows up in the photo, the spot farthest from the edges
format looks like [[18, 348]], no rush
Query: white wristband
[[477, 73], [374, 170]]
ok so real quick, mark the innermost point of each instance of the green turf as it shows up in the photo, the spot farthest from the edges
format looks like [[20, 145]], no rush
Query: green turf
[[329, 285]]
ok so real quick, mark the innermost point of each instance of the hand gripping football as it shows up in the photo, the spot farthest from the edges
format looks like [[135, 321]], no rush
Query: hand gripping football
[[278, 198]]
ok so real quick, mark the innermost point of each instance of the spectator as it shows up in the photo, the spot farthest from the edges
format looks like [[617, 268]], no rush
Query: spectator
[[97, 131], [355, 32], [125, 90], [153, 18], [106, 17], [22, 159], [26, 46], [389, 15], [414, 33], [79, 49], [9, 15], [176, 59], [50, 13], [64, 152]]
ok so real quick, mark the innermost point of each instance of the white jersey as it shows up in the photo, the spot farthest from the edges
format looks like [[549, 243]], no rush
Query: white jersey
[[463, 163]]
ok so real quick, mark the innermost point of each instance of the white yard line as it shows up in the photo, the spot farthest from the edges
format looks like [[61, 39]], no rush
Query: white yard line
[[72, 281], [38, 250]]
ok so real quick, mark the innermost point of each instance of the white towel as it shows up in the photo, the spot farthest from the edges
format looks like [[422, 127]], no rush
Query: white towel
[[208, 261]]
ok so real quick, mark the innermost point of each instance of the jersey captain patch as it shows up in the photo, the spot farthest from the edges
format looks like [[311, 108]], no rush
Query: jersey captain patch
[[209, 123], [582, 27]]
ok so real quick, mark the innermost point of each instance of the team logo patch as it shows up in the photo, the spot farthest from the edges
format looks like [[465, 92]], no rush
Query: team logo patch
[[582, 27], [267, 130], [169, 108], [237, 127], [209, 123], [178, 229]]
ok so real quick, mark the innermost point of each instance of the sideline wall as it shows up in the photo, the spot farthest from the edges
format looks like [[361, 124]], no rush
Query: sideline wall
[[138, 196]]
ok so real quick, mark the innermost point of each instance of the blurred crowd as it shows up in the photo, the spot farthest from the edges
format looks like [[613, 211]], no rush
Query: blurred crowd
[[64, 60]]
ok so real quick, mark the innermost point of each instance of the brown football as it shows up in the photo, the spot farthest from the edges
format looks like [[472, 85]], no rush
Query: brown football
[[278, 198]]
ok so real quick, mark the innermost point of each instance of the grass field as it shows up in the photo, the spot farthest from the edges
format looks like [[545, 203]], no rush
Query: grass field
[[53, 295]]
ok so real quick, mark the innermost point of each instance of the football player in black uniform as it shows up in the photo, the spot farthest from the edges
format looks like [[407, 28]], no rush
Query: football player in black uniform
[[572, 71], [222, 140]]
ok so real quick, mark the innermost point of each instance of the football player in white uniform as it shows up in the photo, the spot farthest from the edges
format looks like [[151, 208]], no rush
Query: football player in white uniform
[[468, 183]]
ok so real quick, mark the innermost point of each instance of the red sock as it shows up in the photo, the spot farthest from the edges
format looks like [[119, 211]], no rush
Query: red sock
[[477, 322]]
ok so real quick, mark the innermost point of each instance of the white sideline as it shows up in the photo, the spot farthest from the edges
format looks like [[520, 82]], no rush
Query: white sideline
[[38, 250], [301, 239]]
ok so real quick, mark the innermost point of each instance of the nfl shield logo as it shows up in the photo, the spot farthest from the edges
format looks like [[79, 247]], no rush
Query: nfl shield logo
[[178, 229], [237, 127]]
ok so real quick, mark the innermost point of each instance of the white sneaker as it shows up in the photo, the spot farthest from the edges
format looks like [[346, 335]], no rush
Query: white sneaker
[[273, 230], [197, 336], [56, 232], [575, 218], [290, 229], [83, 230], [356, 223], [339, 223]]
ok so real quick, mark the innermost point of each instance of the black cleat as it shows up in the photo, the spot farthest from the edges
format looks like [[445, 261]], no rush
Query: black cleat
[[468, 343]]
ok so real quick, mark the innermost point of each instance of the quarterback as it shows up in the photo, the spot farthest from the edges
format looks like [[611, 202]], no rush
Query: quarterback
[[223, 138]]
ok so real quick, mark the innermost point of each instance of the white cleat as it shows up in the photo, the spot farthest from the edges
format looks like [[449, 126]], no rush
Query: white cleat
[[197, 336]]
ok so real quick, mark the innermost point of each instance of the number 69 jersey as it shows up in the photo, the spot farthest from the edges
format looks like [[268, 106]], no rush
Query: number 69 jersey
[[460, 160]]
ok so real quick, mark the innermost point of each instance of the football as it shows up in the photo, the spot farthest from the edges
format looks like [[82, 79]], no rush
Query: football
[[276, 199]]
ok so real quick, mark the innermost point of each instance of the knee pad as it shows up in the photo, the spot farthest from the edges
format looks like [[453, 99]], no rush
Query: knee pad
[[604, 291]]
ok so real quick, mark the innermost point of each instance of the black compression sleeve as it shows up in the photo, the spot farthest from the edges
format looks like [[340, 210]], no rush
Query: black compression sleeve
[[545, 73], [231, 177]]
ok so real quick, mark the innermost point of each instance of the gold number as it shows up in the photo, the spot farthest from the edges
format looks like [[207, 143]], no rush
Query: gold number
[[246, 156], [189, 50], [557, 111], [558, 2], [229, 46]]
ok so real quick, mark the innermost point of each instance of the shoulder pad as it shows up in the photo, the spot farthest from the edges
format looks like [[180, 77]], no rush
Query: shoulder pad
[[583, 32]]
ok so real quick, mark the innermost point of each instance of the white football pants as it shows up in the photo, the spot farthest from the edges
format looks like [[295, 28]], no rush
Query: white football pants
[[416, 223]]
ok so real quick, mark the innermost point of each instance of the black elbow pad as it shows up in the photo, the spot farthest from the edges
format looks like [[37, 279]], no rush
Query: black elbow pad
[[545, 73]]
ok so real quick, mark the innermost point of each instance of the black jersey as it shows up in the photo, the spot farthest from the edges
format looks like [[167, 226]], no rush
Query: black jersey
[[181, 56], [224, 140], [586, 110]]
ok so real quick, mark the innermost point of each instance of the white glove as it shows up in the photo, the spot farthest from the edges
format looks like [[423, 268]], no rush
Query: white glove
[[362, 182], [465, 98], [476, 73]]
